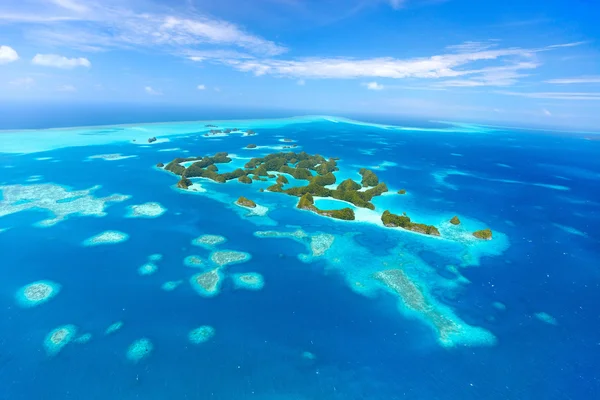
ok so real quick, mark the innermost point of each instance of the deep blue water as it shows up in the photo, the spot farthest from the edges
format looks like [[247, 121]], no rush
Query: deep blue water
[[365, 348]]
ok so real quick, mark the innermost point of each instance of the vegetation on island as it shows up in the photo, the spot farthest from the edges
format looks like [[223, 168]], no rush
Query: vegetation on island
[[250, 132], [184, 183], [315, 169], [307, 203], [368, 177], [160, 165], [403, 221], [251, 146], [455, 220], [243, 201], [245, 179], [282, 180], [483, 234], [152, 139], [402, 191]]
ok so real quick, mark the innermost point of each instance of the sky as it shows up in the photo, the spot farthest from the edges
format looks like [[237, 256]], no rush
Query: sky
[[508, 62]]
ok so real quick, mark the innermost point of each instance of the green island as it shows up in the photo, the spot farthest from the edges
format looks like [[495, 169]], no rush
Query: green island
[[316, 170], [251, 146], [403, 221], [402, 191], [242, 201], [483, 234], [307, 203], [455, 220]]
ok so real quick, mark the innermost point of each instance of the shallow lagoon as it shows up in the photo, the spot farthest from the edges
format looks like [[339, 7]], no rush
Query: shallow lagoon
[[326, 304]]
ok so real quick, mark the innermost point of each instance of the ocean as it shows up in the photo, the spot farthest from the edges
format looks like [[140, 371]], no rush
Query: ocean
[[514, 317]]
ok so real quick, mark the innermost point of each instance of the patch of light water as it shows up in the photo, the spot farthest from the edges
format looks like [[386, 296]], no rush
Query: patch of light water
[[248, 280], [440, 178], [110, 157], [57, 200], [369, 274], [106, 237], [147, 210], [571, 230]]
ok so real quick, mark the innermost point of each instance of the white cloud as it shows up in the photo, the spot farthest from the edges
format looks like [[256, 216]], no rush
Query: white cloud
[[54, 60], [67, 88], [110, 24], [152, 91], [373, 86], [569, 81], [70, 5], [8, 55], [23, 82], [301, 82], [450, 65], [546, 112], [201, 87], [555, 95], [397, 4]]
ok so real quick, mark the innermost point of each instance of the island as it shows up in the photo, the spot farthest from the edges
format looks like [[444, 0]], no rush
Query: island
[[160, 165], [402, 191], [403, 221], [455, 220], [250, 132], [244, 202], [152, 139], [307, 203], [485, 234], [251, 146]]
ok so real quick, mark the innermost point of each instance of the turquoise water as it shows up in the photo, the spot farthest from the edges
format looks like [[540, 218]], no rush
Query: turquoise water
[[113, 241]]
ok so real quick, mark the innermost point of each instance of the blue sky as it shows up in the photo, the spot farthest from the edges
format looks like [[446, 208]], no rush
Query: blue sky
[[529, 62]]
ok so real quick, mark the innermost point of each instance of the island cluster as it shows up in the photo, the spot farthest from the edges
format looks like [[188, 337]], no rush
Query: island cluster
[[317, 171]]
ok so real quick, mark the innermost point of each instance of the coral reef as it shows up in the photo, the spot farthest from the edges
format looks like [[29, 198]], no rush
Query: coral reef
[[248, 280], [201, 334], [107, 237], [59, 338], [207, 284], [139, 349], [36, 293]]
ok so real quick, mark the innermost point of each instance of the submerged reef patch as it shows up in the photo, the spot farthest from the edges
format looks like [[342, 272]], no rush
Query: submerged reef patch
[[139, 349], [248, 280], [110, 157], [207, 284], [201, 334], [84, 338], [547, 318], [147, 210], [147, 269], [36, 293], [208, 241], [193, 261], [226, 257], [317, 244], [451, 331], [107, 237], [170, 285], [57, 200], [113, 328], [155, 257], [59, 338]]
